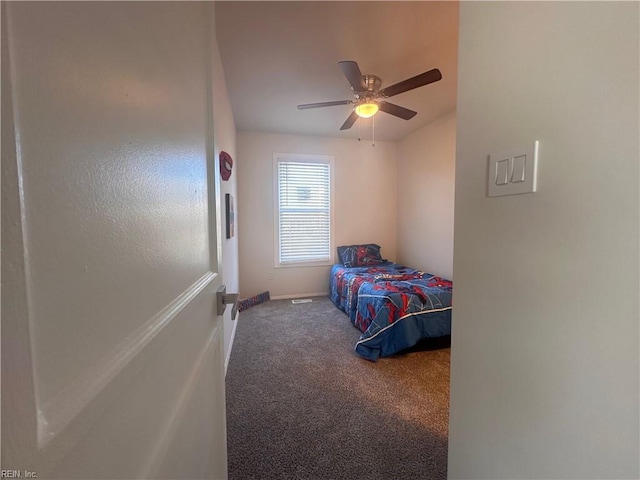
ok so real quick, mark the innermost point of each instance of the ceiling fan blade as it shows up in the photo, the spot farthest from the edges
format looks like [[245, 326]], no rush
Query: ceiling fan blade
[[324, 104], [349, 121], [351, 70], [411, 83], [396, 110]]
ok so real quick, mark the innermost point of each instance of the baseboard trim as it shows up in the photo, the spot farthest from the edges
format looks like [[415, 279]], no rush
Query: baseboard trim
[[233, 336], [299, 295]]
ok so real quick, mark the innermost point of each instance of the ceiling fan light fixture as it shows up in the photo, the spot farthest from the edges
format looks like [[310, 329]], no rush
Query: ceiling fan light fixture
[[367, 109]]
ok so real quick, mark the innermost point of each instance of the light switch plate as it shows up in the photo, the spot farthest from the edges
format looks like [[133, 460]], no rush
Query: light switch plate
[[519, 166]]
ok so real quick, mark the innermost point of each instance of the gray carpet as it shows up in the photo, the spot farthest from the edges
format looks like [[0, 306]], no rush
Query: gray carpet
[[302, 405]]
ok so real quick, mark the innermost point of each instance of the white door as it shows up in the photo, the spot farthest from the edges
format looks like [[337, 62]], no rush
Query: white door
[[112, 361]]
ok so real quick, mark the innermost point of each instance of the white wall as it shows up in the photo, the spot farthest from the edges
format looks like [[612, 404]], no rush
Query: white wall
[[365, 207], [225, 140], [426, 178], [544, 368]]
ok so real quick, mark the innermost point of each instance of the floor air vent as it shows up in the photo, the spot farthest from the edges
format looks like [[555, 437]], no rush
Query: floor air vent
[[301, 300]]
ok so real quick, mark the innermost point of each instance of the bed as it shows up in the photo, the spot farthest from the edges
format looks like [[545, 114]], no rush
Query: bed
[[394, 306]]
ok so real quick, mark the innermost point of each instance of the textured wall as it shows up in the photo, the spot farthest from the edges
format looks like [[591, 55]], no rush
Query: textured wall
[[365, 206], [426, 181], [225, 140], [544, 369]]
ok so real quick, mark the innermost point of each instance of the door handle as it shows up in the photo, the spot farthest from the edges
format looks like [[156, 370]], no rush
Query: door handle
[[223, 299]]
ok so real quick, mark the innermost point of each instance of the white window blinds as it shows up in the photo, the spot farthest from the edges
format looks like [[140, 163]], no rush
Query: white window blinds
[[304, 211]]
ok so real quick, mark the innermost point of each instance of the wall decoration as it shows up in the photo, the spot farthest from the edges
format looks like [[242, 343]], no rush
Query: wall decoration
[[226, 164], [228, 205]]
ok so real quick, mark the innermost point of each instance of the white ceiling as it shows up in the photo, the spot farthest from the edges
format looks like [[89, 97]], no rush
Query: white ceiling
[[277, 55]]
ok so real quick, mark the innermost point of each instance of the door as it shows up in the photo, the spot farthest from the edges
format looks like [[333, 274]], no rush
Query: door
[[112, 357]]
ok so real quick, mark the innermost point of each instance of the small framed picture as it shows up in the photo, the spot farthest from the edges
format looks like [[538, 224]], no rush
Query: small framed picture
[[230, 216]]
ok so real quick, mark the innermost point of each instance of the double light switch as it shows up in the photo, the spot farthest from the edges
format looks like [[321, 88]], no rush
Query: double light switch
[[513, 172]]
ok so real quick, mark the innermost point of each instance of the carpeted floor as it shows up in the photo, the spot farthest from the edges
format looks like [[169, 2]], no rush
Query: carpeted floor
[[302, 405]]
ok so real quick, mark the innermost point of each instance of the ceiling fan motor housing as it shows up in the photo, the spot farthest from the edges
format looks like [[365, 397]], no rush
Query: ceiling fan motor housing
[[372, 83]]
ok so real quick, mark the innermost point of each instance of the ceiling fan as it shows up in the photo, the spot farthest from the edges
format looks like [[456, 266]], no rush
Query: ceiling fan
[[369, 98]]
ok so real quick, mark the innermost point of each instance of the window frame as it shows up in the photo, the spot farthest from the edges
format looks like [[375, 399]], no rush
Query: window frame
[[302, 158]]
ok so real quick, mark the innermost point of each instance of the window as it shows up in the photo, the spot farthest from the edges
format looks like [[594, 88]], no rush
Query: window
[[303, 209]]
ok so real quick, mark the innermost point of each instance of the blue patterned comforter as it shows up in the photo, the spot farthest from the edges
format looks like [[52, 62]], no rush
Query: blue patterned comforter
[[393, 305], [345, 282]]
